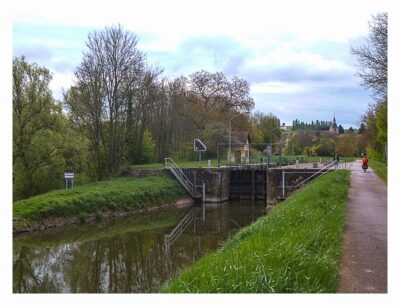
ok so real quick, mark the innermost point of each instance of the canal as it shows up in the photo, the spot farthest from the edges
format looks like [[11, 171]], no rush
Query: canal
[[123, 255]]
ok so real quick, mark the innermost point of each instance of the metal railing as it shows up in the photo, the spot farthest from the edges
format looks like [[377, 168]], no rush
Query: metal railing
[[180, 176], [317, 174], [170, 238]]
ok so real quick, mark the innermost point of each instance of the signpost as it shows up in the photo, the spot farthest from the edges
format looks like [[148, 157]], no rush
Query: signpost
[[69, 175], [199, 146]]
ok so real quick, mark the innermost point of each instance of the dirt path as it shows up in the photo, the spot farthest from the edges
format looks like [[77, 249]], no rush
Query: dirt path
[[364, 263]]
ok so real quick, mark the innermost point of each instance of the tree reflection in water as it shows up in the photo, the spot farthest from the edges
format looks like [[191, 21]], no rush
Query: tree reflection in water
[[119, 255]]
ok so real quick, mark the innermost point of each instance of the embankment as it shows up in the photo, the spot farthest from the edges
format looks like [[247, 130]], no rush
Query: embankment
[[106, 199], [296, 248]]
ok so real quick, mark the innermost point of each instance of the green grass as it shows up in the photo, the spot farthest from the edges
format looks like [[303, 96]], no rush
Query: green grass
[[117, 194], [379, 168], [296, 248]]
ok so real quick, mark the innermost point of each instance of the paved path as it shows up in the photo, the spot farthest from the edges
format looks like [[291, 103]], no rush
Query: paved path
[[364, 262]]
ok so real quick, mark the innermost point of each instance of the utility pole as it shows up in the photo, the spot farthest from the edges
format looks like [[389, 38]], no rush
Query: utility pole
[[230, 138]]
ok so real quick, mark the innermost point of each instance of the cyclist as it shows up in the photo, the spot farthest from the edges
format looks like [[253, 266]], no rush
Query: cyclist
[[365, 163]]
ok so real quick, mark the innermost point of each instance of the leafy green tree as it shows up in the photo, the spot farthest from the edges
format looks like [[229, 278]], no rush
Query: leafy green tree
[[324, 147], [346, 145], [381, 123], [38, 142], [143, 153]]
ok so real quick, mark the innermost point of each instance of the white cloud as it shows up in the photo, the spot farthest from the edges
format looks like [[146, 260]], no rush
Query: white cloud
[[59, 82], [279, 87], [307, 20]]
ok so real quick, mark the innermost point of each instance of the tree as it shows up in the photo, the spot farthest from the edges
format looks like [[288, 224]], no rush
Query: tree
[[211, 95], [362, 128], [372, 69], [346, 145], [372, 58], [105, 94], [341, 129], [324, 146], [144, 152], [42, 139]]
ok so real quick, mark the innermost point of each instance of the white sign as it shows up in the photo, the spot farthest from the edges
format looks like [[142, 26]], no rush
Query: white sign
[[69, 175], [198, 145]]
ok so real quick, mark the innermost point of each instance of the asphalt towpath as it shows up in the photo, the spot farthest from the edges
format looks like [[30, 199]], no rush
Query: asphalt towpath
[[363, 267]]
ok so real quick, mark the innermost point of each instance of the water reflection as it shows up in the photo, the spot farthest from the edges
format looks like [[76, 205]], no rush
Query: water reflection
[[122, 255]]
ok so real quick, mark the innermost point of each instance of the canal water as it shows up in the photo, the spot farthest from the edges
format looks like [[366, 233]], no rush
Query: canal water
[[123, 255]]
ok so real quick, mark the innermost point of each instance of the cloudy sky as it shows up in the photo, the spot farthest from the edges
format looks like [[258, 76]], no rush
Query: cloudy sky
[[295, 54]]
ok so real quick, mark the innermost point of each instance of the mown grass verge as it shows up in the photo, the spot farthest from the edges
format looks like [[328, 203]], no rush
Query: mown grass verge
[[296, 248], [117, 194], [379, 168]]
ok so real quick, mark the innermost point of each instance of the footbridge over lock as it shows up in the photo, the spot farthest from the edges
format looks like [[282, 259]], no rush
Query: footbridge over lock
[[248, 182]]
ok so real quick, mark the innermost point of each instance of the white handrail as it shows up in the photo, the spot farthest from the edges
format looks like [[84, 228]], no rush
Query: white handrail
[[179, 174], [321, 172], [173, 165], [170, 238]]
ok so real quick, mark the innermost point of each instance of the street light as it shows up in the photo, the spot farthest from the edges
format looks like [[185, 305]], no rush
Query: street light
[[230, 138], [270, 143], [270, 134]]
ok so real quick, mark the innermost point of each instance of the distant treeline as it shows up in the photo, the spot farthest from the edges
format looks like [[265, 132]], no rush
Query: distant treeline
[[317, 125]]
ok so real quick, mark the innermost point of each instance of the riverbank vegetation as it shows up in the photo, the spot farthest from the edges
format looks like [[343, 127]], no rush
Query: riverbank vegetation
[[296, 248], [114, 195], [380, 169]]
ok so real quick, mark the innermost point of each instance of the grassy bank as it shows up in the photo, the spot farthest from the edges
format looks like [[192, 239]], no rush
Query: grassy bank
[[296, 248], [117, 194], [379, 168]]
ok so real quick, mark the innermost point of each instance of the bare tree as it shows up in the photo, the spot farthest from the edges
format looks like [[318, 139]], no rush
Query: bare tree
[[108, 79], [372, 58]]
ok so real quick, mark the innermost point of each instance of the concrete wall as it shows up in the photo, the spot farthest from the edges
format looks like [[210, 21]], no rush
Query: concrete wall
[[216, 180], [292, 178]]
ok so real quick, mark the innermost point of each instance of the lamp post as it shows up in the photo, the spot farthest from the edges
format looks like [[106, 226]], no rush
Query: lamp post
[[230, 138], [270, 139]]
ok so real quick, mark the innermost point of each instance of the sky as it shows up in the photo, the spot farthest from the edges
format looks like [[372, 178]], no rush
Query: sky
[[295, 54]]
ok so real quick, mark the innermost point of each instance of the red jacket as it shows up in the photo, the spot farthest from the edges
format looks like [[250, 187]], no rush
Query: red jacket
[[365, 160]]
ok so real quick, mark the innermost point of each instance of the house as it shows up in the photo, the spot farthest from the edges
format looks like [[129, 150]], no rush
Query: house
[[240, 148]]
